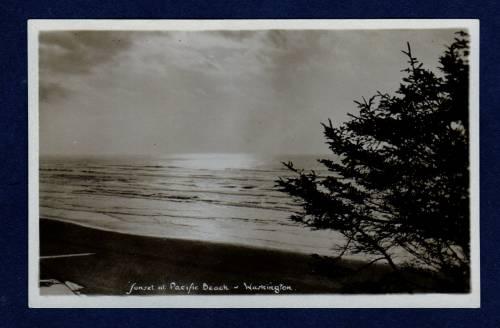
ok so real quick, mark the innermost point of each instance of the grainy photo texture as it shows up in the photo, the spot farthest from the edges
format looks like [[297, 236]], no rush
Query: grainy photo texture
[[254, 162]]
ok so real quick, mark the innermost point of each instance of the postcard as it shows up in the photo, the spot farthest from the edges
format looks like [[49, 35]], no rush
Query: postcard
[[253, 163]]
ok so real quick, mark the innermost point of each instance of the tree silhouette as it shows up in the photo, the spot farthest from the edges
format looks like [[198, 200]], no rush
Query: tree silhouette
[[401, 180]]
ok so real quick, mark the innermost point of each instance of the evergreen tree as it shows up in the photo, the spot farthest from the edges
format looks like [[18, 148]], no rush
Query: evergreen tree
[[401, 181]]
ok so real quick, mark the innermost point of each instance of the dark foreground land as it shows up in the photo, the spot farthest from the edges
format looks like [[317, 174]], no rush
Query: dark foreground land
[[122, 264]]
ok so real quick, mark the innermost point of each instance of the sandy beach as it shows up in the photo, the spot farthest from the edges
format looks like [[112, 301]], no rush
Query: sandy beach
[[110, 263]]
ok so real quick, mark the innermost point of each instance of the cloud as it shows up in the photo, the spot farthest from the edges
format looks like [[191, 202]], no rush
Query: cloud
[[187, 91], [51, 90], [70, 53], [66, 56], [214, 52]]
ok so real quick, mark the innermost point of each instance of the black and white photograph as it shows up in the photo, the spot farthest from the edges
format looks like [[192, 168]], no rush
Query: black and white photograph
[[254, 163]]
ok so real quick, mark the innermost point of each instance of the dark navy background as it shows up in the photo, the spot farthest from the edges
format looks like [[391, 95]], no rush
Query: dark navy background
[[14, 311]]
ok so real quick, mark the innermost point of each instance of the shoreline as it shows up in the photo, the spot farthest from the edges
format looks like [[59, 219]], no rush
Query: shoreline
[[124, 264], [210, 242]]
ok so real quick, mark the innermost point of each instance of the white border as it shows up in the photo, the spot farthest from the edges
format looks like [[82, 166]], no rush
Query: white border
[[471, 300]]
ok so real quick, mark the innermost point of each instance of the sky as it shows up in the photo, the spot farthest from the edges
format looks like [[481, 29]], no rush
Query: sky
[[163, 92]]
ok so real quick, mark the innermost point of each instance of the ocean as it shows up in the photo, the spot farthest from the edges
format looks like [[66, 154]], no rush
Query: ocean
[[226, 198]]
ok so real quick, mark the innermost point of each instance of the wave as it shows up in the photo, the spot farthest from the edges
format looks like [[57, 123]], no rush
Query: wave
[[233, 199]]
